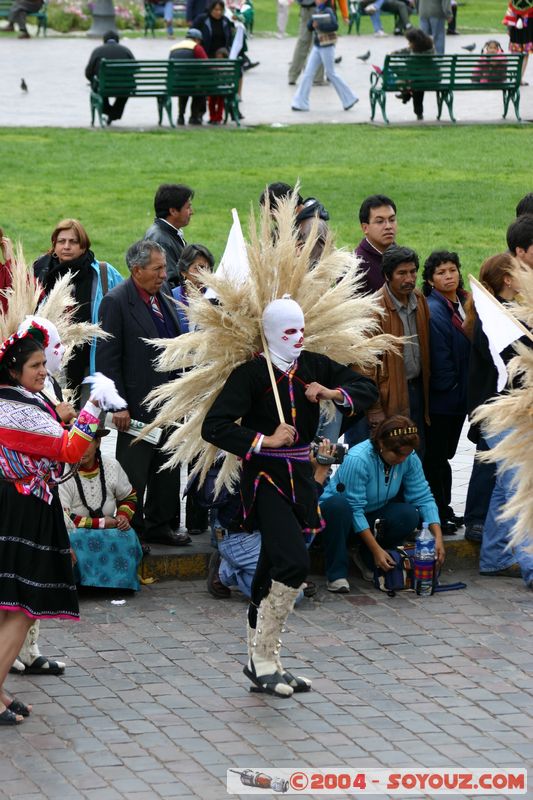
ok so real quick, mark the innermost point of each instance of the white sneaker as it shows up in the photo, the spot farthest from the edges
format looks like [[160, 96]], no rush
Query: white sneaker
[[366, 573], [340, 586], [370, 10], [380, 34]]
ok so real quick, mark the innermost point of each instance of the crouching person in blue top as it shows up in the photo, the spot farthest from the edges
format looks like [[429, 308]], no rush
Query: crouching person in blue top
[[378, 496]]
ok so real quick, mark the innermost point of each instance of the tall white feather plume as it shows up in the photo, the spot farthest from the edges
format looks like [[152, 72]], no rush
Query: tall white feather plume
[[512, 413]]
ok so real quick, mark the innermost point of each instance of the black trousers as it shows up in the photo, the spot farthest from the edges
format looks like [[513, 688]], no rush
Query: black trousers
[[198, 106], [116, 110], [442, 438], [159, 511], [284, 556]]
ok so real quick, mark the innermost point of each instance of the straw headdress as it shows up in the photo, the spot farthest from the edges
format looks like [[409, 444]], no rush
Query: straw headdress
[[339, 323], [58, 307], [512, 413]]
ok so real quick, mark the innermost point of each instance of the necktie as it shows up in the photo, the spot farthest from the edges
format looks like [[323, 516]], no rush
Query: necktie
[[155, 307]]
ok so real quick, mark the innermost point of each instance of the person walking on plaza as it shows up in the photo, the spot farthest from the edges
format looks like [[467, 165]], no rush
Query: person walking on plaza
[[304, 43], [323, 25], [433, 16]]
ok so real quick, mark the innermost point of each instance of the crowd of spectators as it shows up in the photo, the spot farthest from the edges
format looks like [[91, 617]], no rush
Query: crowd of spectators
[[397, 472]]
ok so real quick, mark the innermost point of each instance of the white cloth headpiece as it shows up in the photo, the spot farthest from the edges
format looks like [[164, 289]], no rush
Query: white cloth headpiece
[[55, 350], [278, 317]]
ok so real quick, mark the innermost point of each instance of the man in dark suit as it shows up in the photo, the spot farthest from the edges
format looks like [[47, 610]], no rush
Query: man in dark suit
[[141, 308], [173, 211]]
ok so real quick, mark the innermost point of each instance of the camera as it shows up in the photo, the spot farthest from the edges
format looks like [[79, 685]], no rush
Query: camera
[[338, 451]]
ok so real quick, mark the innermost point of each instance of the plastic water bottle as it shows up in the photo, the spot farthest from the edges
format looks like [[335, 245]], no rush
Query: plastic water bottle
[[424, 561]]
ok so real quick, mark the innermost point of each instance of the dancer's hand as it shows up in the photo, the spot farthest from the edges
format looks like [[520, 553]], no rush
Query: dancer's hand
[[66, 412], [316, 392], [283, 436]]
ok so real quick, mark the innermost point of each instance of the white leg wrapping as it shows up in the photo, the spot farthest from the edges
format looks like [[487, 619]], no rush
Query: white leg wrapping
[[297, 682], [264, 667], [30, 649]]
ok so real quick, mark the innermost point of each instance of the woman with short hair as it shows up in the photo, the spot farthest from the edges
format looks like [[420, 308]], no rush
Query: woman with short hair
[[70, 251], [378, 496]]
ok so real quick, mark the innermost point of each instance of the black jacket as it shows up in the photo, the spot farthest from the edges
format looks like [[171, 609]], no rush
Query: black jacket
[[111, 50], [171, 242], [126, 357]]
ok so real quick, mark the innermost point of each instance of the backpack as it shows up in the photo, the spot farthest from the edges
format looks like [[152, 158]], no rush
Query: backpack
[[401, 577]]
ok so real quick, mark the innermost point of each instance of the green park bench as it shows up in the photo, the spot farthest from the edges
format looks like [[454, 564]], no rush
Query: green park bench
[[212, 76], [41, 16], [356, 11], [167, 79], [127, 78], [445, 75], [150, 18]]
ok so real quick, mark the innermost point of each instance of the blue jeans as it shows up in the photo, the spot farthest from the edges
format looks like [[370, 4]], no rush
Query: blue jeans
[[495, 553], [480, 488], [165, 10], [325, 56], [239, 553], [435, 27]]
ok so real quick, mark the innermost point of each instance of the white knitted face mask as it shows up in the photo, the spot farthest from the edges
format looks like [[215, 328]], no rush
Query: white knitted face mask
[[54, 350], [283, 324]]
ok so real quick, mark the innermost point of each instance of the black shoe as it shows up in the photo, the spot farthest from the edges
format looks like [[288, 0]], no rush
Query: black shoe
[[181, 120], [250, 65], [448, 527], [474, 533], [215, 587], [338, 60], [169, 538], [459, 521], [195, 121]]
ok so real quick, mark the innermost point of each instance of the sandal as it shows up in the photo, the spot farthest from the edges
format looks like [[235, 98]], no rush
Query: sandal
[[44, 666], [18, 707], [267, 684], [7, 717], [17, 668]]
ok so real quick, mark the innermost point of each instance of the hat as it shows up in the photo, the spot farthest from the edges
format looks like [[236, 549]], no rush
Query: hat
[[34, 331], [194, 33]]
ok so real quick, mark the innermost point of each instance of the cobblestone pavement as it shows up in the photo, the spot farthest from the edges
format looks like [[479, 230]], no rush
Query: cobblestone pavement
[[58, 93], [154, 704]]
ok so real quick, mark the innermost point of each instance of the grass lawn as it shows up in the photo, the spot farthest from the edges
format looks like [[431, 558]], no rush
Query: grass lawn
[[473, 16], [455, 188]]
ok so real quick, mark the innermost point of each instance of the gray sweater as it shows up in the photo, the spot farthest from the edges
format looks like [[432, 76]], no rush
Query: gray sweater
[[435, 8]]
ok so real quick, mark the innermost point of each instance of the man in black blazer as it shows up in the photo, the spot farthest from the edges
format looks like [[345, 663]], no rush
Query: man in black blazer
[[142, 308]]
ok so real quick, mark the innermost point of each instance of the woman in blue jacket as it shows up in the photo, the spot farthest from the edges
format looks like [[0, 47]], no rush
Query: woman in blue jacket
[[91, 280], [380, 479], [323, 24], [449, 357]]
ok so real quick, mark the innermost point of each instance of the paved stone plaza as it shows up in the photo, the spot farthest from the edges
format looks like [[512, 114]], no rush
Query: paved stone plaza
[[154, 703], [59, 93]]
